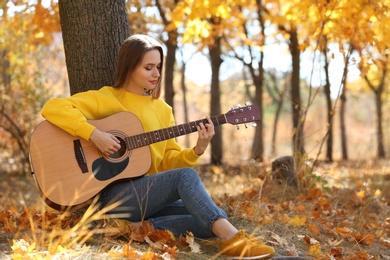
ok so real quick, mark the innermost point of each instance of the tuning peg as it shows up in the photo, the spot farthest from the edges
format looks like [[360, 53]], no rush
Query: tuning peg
[[233, 110], [254, 124], [238, 128], [245, 126], [248, 103]]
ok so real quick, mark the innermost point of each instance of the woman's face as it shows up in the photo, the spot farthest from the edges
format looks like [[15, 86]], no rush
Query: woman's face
[[145, 76]]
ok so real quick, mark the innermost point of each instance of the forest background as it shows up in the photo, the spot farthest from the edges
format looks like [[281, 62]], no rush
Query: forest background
[[318, 72]]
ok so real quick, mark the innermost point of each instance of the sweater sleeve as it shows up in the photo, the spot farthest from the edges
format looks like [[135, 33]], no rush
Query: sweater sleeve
[[71, 113], [175, 156]]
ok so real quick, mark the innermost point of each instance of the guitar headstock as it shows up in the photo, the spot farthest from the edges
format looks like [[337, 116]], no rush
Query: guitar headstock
[[242, 115]]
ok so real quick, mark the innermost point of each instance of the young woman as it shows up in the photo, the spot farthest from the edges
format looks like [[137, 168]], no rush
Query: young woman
[[171, 195]]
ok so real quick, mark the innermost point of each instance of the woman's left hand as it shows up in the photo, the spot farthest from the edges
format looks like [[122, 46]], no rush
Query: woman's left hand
[[206, 133]]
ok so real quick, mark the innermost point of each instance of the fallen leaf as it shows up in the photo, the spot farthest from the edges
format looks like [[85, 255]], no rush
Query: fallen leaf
[[335, 242], [315, 250], [309, 240], [344, 231], [195, 247], [313, 228], [368, 239], [297, 221], [291, 251], [336, 252], [281, 242]]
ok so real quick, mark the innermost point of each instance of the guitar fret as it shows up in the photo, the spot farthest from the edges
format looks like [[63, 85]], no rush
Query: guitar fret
[[193, 128], [188, 126], [163, 135], [156, 136], [149, 137], [131, 142], [170, 132]]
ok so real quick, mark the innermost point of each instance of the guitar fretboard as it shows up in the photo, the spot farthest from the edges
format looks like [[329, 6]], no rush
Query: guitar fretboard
[[148, 138]]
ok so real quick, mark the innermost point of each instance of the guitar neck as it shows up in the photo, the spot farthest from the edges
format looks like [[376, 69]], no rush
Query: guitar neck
[[148, 138]]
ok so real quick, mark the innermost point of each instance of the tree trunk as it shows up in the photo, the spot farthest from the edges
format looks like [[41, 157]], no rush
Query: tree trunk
[[275, 125], [258, 140], [329, 110], [297, 139], [258, 144], [378, 92], [93, 31], [380, 139], [185, 106], [343, 105], [215, 103], [170, 61]]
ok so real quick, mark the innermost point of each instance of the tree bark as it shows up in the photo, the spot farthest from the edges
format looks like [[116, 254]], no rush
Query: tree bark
[[297, 139], [215, 102], [258, 140], [185, 106], [329, 110], [170, 61], [343, 105], [378, 92], [93, 31], [380, 139]]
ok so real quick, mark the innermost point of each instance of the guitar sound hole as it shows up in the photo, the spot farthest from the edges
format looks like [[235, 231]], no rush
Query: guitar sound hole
[[121, 151]]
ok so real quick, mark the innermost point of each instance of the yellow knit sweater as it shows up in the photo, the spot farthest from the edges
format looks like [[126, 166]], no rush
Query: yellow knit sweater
[[71, 114]]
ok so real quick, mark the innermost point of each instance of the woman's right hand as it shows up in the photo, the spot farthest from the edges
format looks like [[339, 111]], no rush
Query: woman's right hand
[[107, 143]]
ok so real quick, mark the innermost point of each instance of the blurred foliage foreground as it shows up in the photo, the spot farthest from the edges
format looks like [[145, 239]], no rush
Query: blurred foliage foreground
[[342, 214]]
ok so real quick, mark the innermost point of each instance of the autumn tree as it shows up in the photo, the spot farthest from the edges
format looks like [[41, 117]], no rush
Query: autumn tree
[[252, 58], [377, 86], [375, 61], [285, 15], [204, 24], [29, 32], [92, 33]]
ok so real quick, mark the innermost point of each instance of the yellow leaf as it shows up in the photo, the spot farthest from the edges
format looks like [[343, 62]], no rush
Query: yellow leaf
[[297, 221], [345, 232], [149, 256], [315, 250]]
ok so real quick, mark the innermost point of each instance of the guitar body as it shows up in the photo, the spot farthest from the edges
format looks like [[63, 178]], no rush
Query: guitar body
[[70, 171]]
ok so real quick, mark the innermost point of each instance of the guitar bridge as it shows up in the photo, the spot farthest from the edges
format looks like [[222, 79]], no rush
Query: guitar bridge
[[80, 157]]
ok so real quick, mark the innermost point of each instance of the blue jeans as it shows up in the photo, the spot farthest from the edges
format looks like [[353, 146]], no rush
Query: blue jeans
[[174, 200]]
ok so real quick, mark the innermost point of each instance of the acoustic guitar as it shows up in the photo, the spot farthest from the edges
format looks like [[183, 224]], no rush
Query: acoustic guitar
[[70, 171]]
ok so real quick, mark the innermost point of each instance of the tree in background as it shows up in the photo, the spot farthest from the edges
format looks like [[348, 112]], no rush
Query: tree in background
[[171, 45], [208, 24], [297, 21], [253, 47], [28, 31], [375, 62], [92, 32]]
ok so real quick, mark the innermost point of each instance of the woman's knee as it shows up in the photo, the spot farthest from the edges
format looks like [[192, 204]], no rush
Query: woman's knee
[[191, 175]]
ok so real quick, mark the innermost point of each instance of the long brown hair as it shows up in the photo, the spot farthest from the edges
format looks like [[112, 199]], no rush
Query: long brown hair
[[130, 56]]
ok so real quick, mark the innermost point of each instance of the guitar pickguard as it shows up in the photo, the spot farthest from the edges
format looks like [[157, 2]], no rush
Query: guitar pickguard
[[104, 170]]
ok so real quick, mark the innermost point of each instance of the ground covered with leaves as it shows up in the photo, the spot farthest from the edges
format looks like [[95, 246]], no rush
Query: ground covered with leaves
[[337, 211]]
